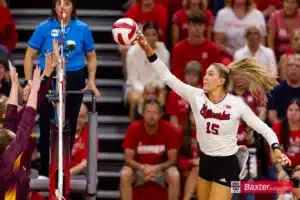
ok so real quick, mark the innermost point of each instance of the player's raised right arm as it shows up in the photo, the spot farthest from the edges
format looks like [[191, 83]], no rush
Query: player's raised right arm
[[182, 89]]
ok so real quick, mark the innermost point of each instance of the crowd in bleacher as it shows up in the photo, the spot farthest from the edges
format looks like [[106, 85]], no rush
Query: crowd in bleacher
[[198, 35]]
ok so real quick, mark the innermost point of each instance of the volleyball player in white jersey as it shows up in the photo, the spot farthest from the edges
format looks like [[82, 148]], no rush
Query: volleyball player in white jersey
[[217, 114]]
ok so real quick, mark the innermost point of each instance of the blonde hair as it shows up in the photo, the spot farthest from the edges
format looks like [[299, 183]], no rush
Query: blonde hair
[[149, 86], [153, 86], [249, 4], [257, 79]]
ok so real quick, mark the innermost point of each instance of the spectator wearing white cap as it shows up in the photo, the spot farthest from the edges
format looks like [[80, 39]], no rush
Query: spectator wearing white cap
[[254, 48]]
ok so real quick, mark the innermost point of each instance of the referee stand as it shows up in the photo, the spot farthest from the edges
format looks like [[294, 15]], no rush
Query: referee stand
[[81, 183]]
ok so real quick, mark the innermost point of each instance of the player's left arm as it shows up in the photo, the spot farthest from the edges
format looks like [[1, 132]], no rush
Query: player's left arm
[[260, 127]]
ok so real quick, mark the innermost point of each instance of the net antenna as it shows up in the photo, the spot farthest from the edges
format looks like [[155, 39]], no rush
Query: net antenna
[[60, 106]]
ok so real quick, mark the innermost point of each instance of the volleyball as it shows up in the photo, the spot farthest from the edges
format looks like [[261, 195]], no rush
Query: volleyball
[[124, 31]]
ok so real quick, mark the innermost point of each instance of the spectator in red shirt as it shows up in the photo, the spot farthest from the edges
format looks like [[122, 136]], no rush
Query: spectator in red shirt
[[8, 33], [288, 131], [189, 157], [180, 20], [147, 11], [150, 153], [295, 48], [177, 107], [281, 26], [267, 6], [80, 146], [195, 47]]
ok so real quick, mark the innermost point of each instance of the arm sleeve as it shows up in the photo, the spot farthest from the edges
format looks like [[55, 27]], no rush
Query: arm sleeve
[[11, 118], [182, 89], [132, 63], [37, 39], [18, 145], [255, 123], [89, 44]]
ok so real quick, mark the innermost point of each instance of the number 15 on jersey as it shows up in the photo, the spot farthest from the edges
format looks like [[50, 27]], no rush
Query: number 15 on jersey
[[212, 128]]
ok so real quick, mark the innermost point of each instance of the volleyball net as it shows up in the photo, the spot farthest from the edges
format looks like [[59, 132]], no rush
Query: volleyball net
[[60, 183]]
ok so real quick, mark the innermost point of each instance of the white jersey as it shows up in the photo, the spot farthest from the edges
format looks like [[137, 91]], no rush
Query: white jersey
[[216, 124]]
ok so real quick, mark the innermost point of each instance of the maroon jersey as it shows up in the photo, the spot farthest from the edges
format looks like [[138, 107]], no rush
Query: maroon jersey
[[15, 160], [12, 173]]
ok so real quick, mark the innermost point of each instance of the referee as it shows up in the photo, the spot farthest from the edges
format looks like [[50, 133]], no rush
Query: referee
[[79, 35]]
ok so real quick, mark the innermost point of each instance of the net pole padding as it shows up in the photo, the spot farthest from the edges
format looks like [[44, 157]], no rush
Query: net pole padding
[[92, 153]]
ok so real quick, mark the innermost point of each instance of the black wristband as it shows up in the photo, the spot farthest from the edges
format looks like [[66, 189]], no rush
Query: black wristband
[[152, 58], [275, 146]]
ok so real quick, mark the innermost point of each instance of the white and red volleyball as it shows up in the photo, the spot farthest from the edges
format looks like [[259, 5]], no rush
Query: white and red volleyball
[[124, 31]]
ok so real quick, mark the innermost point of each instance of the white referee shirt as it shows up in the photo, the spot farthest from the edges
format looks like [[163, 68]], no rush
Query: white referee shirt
[[216, 124], [264, 55]]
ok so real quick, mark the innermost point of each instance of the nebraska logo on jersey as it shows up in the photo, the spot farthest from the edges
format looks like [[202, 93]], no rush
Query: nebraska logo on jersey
[[208, 113], [151, 149]]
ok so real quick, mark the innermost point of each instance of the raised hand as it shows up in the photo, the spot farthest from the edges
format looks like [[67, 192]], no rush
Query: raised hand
[[141, 40], [51, 63], [13, 76], [52, 59], [281, 158], [36, 81]]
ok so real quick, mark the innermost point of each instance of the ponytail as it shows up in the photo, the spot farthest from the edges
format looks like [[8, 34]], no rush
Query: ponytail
[[256, 79]]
